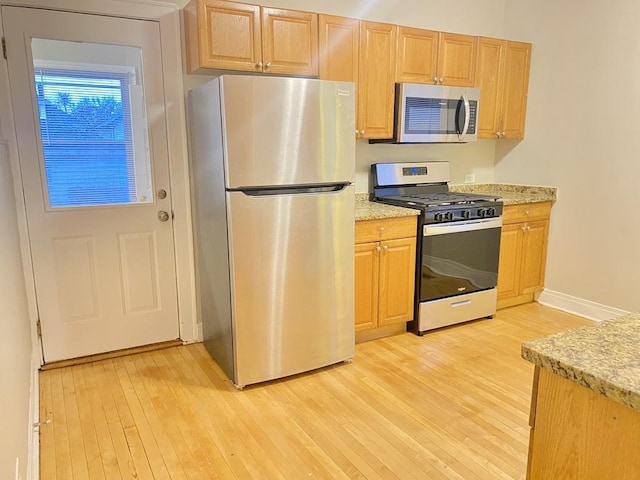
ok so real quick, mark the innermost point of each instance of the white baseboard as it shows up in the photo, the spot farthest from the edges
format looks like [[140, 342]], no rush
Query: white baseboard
[[33, 455], [579, 306]]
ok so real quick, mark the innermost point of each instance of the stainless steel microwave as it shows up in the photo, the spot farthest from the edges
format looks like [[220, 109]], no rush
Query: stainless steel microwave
[[435, 114]]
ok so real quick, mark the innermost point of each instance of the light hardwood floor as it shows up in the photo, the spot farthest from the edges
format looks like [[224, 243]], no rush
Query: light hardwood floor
[[452, 404]]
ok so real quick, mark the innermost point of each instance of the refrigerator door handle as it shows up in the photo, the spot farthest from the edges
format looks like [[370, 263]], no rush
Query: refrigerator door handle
[[260, 192]]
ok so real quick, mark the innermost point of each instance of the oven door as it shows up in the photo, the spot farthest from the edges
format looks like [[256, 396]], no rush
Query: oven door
[[459, 258]]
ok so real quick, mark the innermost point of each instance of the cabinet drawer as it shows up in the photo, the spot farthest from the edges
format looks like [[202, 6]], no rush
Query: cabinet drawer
[[525, 212], [385, 229]]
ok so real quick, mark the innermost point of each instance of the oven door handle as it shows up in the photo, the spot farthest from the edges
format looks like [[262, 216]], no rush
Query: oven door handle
[[456, 227]]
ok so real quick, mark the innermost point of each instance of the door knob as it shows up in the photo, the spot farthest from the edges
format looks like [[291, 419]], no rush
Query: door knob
[[163, 216], [162, 194]]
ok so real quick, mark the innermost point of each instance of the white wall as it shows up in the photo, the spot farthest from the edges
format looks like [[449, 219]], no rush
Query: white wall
[[474, 17], [582, 136], [15, 354]]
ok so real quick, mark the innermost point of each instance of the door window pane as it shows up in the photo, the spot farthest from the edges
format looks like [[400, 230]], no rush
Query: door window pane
[[92, 123]]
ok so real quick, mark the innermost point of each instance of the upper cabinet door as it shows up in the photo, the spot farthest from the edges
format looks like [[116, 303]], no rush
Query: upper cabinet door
[[516, 88], [339, 48], [376, 91], [223, 35], [490, 80], [289, 41], [417, 55], [457, 59]]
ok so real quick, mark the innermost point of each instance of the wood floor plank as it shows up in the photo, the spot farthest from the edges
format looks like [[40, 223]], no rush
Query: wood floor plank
[[156, 424], [64, 467], [452, 404], [94, 389], [148, 441], [47, 438], [194, 407], [87, 426]]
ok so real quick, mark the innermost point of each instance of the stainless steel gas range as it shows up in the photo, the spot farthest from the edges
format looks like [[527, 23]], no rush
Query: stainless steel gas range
[[458, 242]]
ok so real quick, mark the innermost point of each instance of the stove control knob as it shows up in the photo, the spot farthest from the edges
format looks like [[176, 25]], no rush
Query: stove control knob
[[491, 212], [438, 217], [465, 213], [448, 216], [482, 212]]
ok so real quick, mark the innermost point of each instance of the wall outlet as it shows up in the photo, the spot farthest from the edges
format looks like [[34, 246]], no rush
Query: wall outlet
[[470, 178]]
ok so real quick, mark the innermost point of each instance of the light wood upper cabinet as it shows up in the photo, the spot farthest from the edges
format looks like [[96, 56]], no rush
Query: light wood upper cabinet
[[502, 73], [339, 46], [426, 56], [376, 85], [221, 34], [237, 36], [417, 55], [457, 59], [516, 88], [289, 41], [490, 79]]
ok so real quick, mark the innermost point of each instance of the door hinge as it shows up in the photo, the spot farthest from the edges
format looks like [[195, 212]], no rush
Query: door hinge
[[39, 328], [4, 48]]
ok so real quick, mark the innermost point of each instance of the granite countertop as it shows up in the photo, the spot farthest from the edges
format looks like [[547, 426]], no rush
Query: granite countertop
[[604, 358], [366, 210], [510, 194]]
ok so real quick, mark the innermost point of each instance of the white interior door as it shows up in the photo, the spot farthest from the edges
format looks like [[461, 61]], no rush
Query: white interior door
[[89, 111]]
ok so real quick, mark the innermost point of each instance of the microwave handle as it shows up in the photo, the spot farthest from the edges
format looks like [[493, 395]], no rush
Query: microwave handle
[[467, 117]]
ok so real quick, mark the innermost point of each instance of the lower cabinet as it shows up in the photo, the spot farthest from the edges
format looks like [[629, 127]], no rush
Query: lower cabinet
[[385, 275], [523, 252]]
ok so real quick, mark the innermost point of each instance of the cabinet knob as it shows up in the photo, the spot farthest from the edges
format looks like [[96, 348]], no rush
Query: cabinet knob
[[502, 134], [386, 247], [526, 212], [267, 66], [440, 80], [259, 65], [435, 80], [378, 248], [361, 132], [381, 229]]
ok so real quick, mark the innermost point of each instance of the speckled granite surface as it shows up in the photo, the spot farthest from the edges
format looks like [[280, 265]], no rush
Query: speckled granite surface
[[366, 210], [510, 194], [604, 358]]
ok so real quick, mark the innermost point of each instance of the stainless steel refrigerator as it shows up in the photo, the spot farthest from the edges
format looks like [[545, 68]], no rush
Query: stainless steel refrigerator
[[273, 162]]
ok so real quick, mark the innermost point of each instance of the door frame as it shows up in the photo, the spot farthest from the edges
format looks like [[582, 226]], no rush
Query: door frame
[[168, 18]]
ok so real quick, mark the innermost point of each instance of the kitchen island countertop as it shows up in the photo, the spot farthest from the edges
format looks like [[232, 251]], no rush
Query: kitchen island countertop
[[604, 358]]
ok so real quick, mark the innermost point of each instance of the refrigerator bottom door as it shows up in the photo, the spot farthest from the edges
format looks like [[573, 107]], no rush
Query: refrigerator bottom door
[[292, 278]]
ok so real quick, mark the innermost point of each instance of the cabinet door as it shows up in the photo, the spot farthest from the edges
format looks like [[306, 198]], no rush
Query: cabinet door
[[516, 87], [457, 59], [534, 256], [228, 36], [490, 80], [510, 260], [289, 42], [367, 268], [397, 280], [417, 55], [339, 47], [376, 79]]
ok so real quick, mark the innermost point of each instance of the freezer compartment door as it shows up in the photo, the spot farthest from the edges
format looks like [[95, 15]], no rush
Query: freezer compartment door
[[287, 131], [292, 277]]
